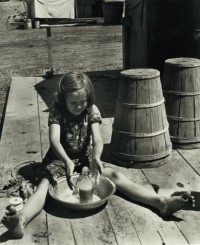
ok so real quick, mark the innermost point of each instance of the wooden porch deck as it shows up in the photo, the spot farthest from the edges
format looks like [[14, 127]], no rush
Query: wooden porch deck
[[25, 138]]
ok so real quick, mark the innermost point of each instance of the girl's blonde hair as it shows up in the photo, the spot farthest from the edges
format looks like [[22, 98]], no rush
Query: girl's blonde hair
[[73, 81]]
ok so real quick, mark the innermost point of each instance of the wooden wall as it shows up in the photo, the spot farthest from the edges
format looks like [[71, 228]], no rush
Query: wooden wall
[[155, 30]]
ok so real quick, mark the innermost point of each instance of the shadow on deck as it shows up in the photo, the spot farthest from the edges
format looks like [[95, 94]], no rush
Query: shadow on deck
[[105, 98]]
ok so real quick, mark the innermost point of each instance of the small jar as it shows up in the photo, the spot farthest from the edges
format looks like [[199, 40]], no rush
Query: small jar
[[17, 203]]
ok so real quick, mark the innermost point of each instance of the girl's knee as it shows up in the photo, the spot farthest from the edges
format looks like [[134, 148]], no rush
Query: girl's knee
[[114, 175], [44, 183]]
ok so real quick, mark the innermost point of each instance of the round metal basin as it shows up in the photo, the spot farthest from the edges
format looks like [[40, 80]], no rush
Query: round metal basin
[[103, 191]]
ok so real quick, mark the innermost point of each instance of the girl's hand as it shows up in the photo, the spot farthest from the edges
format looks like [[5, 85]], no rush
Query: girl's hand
[[98, 165], [69, 168], [69, 171], [97, 169]]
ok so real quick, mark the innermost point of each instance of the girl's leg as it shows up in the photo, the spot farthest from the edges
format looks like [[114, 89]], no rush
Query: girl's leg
[[36, 202], [15, 222], [166, 205]]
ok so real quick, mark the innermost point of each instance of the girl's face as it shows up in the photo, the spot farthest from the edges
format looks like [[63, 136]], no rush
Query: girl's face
[[76, 102]]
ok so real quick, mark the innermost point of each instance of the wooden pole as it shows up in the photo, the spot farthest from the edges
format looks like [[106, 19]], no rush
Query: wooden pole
[[49, 73]]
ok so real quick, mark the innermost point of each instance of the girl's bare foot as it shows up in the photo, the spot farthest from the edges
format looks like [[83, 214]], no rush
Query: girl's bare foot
[[14, 223], [172, 204]]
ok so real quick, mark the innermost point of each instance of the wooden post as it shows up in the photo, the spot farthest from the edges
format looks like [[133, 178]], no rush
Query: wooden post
[[49, 73]]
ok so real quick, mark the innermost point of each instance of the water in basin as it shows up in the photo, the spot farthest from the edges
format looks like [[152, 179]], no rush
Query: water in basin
[[66, 196]]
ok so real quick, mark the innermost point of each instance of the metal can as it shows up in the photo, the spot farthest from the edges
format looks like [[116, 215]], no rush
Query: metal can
[[28, 24], [37, 24]]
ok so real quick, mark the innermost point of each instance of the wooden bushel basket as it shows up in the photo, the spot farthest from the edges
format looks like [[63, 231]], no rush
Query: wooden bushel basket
[[181, 88], [140, 136]]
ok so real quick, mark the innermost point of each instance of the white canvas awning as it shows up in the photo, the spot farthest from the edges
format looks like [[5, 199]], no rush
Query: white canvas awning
[[51, 8]]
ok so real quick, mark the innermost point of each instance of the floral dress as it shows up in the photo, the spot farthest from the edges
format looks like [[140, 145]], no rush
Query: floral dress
[[75, 138]]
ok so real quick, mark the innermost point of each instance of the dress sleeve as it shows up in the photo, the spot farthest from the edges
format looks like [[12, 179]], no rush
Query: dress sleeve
[[54, 115], [95, 115]]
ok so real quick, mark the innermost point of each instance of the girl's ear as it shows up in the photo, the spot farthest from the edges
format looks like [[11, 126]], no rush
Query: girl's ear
[[60, 99]]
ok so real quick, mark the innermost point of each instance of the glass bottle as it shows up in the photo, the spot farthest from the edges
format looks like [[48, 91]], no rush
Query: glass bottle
[[85, 185]]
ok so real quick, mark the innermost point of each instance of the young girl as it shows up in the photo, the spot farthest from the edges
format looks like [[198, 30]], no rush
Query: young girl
[[73, 121]]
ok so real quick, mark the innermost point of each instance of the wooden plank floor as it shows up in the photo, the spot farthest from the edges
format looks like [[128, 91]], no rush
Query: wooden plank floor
[[25, 137]]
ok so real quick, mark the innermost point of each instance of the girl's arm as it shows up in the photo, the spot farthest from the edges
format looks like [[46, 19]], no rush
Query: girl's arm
[[54, 139], [97, 145]]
